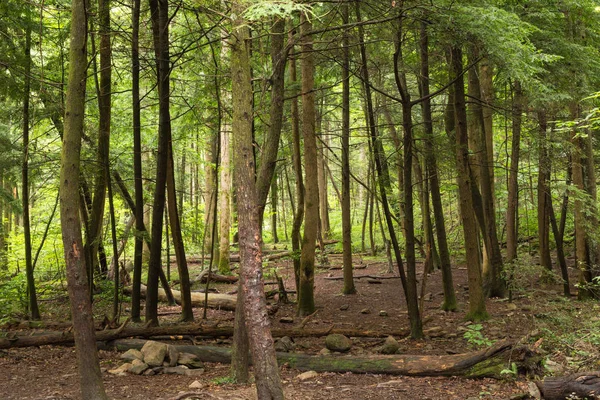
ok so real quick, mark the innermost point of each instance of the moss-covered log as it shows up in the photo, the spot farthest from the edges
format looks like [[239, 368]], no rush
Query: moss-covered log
[[585, 385], [491, 362]]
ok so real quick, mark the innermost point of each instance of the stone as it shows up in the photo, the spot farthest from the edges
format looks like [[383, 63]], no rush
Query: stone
[[172, 355], [434, 331], [344, 307], [383, 313], [284, 344], [196, 385], [149, 372], [428, 296], [178, 370], [365, 311], [154, 353], [286, 320], [338, 343], [137, 367], [511, 306], [120, 371], [390, 346], [324, 352], [132, 354], [190, 360], [307, 375]]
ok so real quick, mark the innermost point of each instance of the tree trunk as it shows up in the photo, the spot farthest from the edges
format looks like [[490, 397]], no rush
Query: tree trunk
[[268, 383], [543, 194], [240, 349], [159, 10], [477, 309], [449, 303], [224, 203], [512, 226], [322, 180], [34, 311], [274, 201], [345, 144], [81, 308], [187, 313], [576, 386], [306, 300], [297, 159]]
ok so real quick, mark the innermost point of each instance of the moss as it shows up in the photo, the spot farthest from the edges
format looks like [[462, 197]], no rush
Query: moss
[[478, 316]]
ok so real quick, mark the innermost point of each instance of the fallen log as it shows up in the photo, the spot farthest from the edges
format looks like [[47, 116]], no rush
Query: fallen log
[[12, 340], [215, 300], [582, 385], [214, 277], [489, 363], [339, 278]]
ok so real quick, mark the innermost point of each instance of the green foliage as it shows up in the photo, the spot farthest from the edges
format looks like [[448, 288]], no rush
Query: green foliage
[[223, 380], [475, 337], [13, 297]]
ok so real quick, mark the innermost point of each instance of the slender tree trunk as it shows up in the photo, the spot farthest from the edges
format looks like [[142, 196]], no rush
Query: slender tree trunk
[[513, 184], [159, 13], [187, 312], [543, 189], [137, 165], [306, 300], [449, 303], [34, 311], [268, 160], [113, 231], [274, 200], [81, 308], [268, 382], [477, 309], [224, 203], [240, 349], [297, 159], [349, 287], [322, 180]]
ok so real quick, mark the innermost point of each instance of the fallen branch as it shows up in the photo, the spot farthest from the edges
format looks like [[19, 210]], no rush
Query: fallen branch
[[484, 363], [339, 278], [215, 300], [577, 386]]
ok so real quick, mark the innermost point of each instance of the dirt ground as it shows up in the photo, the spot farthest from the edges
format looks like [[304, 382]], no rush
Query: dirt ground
[[50, 372]]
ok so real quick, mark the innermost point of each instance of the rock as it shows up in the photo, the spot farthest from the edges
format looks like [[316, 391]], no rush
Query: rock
[[120, 371], [511, 306], [337, 342], [554, 368], [344, 307], [190, 360], [172, 355], [154, 353], [286, 320], [132, 354], [183, 370], [137, 367], [196, 385], [365, 311], [307, 375], [434, 331], [390, 346], [428, 297], [284, 344], [149, 372], [324, 352], [383, 313]]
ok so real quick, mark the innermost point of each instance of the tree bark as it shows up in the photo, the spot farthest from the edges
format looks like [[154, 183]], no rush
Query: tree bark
[[215, 300], [34, 311], [575, 386], [477, 309], [81, 309], [512, 226], [224, 202], [349, 287], [306, 300], [543, 194], [449, 303], [268, 382]]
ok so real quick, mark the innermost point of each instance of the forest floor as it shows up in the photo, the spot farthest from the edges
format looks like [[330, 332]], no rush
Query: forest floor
[[568, 331]]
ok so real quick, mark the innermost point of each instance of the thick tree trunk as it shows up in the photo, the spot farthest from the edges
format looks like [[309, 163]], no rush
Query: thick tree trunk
[[345, 144], [477, 310], [433, 175], [34, 311], [306, 300], [81, 309], [512, 226], [268, 382]]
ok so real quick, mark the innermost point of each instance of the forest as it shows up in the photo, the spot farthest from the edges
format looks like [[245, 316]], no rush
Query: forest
[[269, 199]]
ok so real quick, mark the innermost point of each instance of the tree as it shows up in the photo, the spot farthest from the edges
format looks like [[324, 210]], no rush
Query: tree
[[81, 309], [268, 383]]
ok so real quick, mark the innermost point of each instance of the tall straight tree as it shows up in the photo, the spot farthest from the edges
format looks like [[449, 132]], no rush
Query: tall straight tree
[[34, 311], [345, 143], [512, 226], [306, 300], [159, 10], [81, 308], [268, 382], [477, 309], [137, 163]]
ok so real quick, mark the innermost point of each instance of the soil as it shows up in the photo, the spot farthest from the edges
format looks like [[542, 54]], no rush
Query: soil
[[50, 372]]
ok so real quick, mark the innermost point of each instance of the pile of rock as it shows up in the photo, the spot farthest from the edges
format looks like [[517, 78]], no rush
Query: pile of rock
[[158, 358]]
